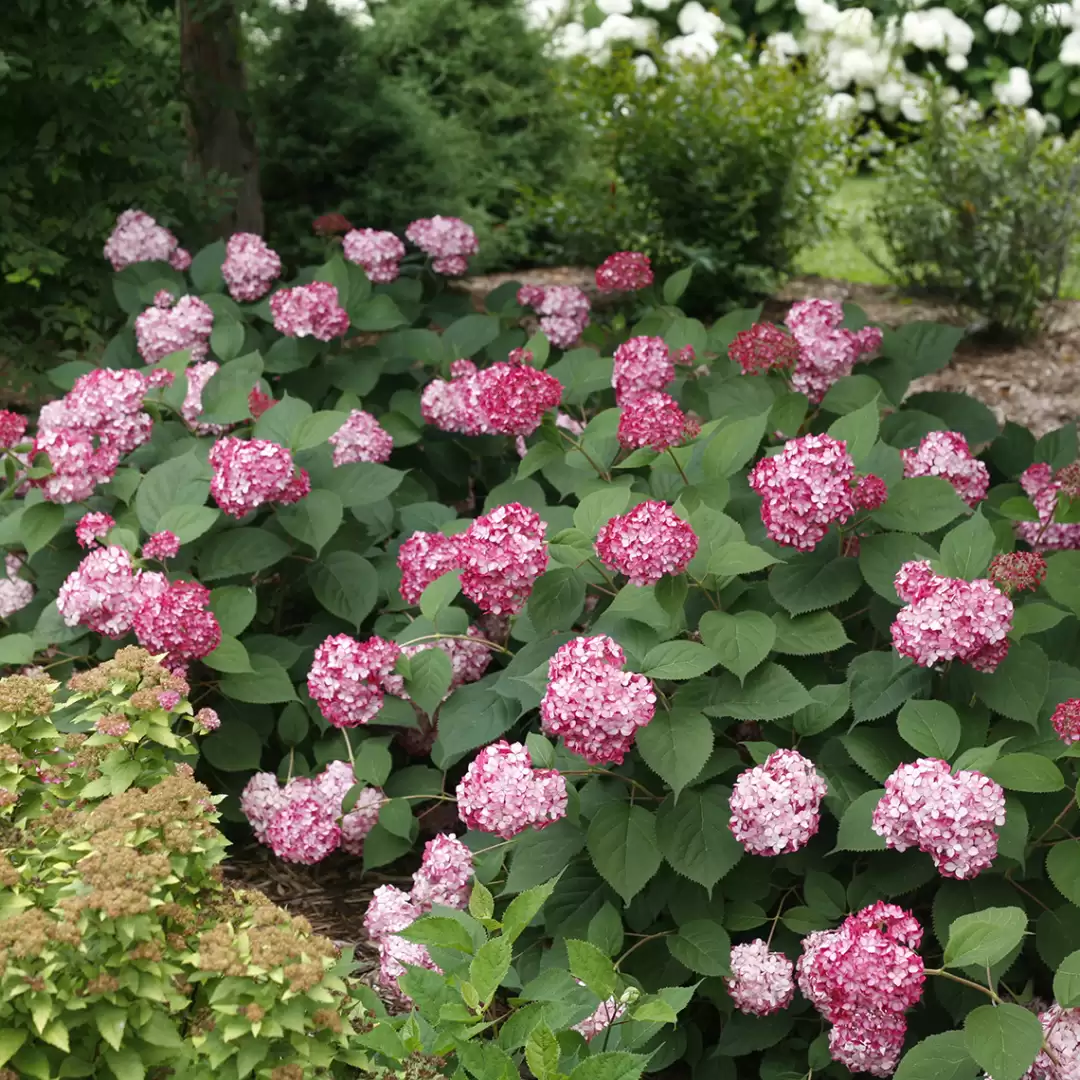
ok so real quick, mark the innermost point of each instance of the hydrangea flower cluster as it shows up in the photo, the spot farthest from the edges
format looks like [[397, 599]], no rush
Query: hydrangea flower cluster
[[469, 659], [161, 546], [309, 311], [250, 472], [422, 559], [502, 554], [378, 252], [198, 375], [444, 874], [251, 266], [502, 793], [361, 438], [641, 364], [952, 818], [775, 807], [591, 703], [93, 527], [804, 489], [870, 492], [862, 978], [12, 429], [259, 401], [137, 237], [647, 543], [764, 348], [625, 271], [1044, 488], [105, 592], [563, 311], [179, 623], [15, 592], [946, 454], [761, 982], [827, 352], [77, 467], [949, 618], [654, 419], [448, 240], [1017, 571], [1060, 1057], [1065, 720], [171, 325], [606, 1013], [348, 678]]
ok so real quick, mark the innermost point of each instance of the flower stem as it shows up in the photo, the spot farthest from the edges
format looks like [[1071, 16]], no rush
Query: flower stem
[[682, 472], [641, 941], [965, 982], [461, 637]]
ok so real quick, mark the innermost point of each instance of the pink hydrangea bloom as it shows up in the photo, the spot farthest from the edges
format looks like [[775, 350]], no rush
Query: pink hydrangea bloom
[[514, 397], [862, 978], [250, 472], [761, 981], [15, 592], [606, 1013], [93, 527], [77, 466], [952, 818], [104, 592], [804, 489], [12, 429], [647, 543], [206, 721], [137, 237], [1066, 719], [1060, 1057], [105, 405], [304, 830], [502, 554], [332, 785], [827, 352], [654, 419], [1017, 571], [563, 311], [259, 402], [870, 492], [198, 375], [444, 875], [641, 364], [376, 251], [948, 618], [179, 623], [423, 558], [1044, 490], [775, 807], [251, 266], [389, 912], [502, 793], [348, 678], [396, 955], [167, 328], [361, 438], [468, 659], [161, 546], [594, 706], [455, 405], [625, 271], [946, 454], [764, 348], [260, 800], [448, 240], [309, 311], [169, 699]]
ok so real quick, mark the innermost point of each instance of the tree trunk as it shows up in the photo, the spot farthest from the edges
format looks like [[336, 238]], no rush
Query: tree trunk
[[220, 123]]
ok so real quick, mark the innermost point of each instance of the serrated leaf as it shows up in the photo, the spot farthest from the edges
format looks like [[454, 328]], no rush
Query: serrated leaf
[[489, 967], [694, 837], [881, 556], [39, 524], [678, 660], [439, 930], [814, 581], [1034, 618], [1026, 772], [229, 656], [1063, 867], [676, 745], [738, 557], [557, 600], [472, 716], [346, 585], [703, 946], [984, 937], [1017, 687], [770, 692], [622, 843], [239, 552], [859, 430], [439, 595], [429, 678], [809, 635], [614, 1065], [1003, 1039], [881, 682], [314, 519], [939, 1057], [592, 967], [966, 549], [267, 683], [931, 727], [855, 833], [542, 1053], [606, 930], [1067, 981], [829, 703], [525, 907], [921, 504], [734, 444], [541, 855], [188, 523], [597, 509]]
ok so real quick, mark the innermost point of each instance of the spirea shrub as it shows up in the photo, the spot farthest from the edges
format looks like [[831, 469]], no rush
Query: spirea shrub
[[771, 729]]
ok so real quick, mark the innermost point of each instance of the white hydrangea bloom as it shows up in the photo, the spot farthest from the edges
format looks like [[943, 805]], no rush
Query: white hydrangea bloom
[[956, 62], [644, 67], [840, 107], [1002, 19], [691, 47], [1036, 122], [1064, 15], [1016, 90], [891, 92], [615, 7], [541, 14], [1070, 50], [855, 24], [780, 48], [694, 19], [657, 5]]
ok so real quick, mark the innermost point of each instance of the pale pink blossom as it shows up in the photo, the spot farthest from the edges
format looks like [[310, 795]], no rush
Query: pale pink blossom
[[251, 266], [448, 240], [946, 454], [93, 527], [104, 592], [1044, 488], [654, 419], [423, 558], [309, 311], [198, 375], [250, 472], [378, 252], [169, 327], [827, 352], [501, 555], [647, 543], [305, 830], [563, 311], [179, 623], [348, 678], [606, 1013], [137, 237], [641, 364], [775, 807], [1065, 721], [361, 438], [12, 429], [761, 981], [444, 875], [161, 546], [15, 592]]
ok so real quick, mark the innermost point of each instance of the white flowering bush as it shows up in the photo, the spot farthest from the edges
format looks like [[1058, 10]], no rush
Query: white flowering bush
[[749, 677]]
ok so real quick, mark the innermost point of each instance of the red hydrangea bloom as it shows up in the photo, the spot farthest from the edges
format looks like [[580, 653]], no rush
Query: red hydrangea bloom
[[250, 472], [93, 527], [330, 224], [513, 397], [502, 793], [870, 492], [827, 352], [685, 356], [448, 240], [1066, 720], [105, 405], [501, 556], [423, 558], [15, 592], [137, 237], [775, 807], [259, 402], [862, 978], [169, 327], [198, 375], [1044, 490], [179, 623], [12, 429], [309, 311], [563, 311], [949, 618], [1016, 571], [647, 543], [348, 678], [251, 266], [761, 982], [952, 818], [641, 364], [445, 871], [654, 419], [763, 348], [361, 438], [305, 830], [946, 454], [625, 271], [804, 489], [161, 546], [104, 592], [376, 251], [594, 706]]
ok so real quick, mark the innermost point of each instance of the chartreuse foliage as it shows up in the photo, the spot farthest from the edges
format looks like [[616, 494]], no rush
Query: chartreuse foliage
[[642, 887]]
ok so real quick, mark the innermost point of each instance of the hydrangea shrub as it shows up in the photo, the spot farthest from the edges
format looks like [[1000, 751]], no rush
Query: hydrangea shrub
[[766, 699]]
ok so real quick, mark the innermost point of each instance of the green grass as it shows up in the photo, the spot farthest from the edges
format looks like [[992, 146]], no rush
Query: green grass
[[843, 254]]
